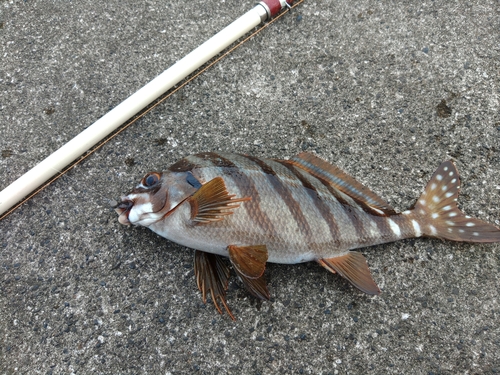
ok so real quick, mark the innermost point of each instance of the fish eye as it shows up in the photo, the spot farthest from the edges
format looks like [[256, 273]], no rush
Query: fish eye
[[150, 179]]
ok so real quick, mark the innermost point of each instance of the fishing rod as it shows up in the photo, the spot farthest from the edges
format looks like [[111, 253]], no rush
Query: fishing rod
[[65, 156]]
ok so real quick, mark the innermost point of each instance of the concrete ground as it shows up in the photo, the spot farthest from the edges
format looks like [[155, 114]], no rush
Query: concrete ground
[[384, 89]]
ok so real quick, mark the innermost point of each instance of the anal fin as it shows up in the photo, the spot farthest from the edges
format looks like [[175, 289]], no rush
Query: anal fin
[[212, 274], [249, 262], [354, 268], [211, 202]]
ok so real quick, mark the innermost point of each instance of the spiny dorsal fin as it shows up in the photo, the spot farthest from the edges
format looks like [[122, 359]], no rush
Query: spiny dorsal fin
[[212, 201], [212, 274], [342, 181], [354, 268], [439, 216], [249, 262]]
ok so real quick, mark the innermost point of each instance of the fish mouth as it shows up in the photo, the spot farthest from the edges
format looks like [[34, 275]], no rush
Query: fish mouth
[[123, 210]]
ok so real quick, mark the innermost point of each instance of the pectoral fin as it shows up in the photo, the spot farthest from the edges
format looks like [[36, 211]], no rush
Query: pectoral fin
[[212, 201], [249, 263], [354, 268], [212, 274]]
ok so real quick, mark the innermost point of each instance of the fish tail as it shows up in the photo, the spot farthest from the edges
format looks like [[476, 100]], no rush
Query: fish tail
[[436, 213]]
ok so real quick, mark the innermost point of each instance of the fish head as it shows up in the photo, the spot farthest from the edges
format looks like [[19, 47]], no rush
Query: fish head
[[155, 197]]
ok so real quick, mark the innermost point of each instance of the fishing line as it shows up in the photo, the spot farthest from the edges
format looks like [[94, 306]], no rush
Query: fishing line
[[148, 109]]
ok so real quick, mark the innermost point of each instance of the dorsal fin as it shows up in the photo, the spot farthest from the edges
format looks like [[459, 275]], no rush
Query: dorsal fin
[[341, 181]]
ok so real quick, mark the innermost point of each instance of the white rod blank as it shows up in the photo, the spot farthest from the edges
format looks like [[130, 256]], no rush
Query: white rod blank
[[58, 160]]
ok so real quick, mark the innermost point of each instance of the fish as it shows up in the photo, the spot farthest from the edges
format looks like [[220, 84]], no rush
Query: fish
[[254, 210]]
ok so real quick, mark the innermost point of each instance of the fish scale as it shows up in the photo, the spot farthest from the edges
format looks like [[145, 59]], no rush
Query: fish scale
[[256, 210], [271, 221], [301, 233]]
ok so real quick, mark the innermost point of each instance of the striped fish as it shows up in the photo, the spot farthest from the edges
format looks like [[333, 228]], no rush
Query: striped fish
[[256, 210]]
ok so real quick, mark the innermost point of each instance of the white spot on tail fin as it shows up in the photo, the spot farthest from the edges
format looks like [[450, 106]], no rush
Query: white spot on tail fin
[[439, 215], [407, 212], [394, 227], [416, 228]]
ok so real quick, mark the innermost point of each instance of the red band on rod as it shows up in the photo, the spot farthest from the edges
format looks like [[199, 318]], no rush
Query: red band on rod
[[275, 6]]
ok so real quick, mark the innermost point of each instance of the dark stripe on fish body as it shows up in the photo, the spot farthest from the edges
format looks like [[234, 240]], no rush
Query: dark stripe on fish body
[[321, 206], [350, 211], [287, 197], [383, 226], [354, 216], [217, 160], [187, 164], [183, 165], [356, 195], [247, 188]]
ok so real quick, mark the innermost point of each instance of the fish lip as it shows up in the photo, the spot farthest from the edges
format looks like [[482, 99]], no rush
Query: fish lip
[[126, 203], [123, 210]]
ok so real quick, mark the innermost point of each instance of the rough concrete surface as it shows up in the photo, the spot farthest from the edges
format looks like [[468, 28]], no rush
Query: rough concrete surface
[[384, 89]]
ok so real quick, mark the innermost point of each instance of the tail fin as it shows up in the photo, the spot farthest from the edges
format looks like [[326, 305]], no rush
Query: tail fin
[[439, 215]]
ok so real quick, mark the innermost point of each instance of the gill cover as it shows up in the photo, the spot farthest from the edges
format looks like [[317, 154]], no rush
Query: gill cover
[[155, 196]]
